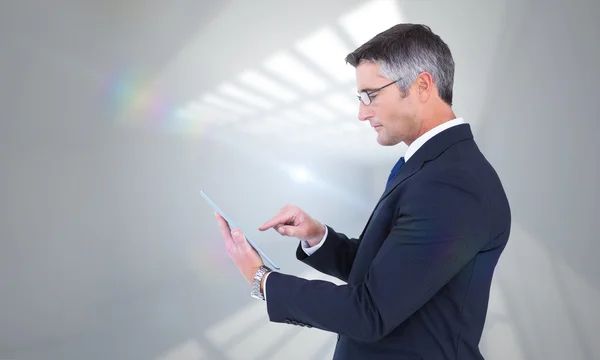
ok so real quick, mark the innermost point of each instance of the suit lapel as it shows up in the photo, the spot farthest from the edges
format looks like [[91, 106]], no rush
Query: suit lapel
[[409, 169], [430, 150], [406, 171]]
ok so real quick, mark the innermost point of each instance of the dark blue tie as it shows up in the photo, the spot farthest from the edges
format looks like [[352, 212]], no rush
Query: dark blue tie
[[395, 171]]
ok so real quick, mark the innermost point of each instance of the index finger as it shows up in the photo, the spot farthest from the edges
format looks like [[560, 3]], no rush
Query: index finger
[[280, 219]]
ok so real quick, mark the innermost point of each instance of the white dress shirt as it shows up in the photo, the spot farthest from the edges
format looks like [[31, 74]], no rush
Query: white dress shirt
[[410, 151]]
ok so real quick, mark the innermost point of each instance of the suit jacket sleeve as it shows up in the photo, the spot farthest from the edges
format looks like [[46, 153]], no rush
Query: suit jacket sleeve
[[335, 257], [441, 226]]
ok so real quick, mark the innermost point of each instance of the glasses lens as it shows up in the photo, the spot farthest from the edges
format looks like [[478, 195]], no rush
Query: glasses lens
[[364, 97]]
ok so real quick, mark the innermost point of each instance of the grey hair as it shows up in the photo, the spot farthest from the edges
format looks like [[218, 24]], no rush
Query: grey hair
[[406, 50]]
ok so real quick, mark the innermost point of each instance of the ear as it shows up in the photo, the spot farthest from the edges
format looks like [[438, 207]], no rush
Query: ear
[[425, 86]]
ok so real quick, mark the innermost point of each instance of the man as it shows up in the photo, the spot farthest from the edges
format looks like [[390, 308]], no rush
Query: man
[[419, 275]]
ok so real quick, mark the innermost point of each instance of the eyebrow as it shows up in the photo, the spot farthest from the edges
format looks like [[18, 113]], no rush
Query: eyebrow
[[366, 90]]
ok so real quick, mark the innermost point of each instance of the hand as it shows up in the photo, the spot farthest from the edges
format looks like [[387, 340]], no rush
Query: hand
[[292, 221], [243, 255]]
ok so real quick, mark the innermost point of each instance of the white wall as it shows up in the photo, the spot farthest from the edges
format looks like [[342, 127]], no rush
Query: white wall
[[110, 251], [539, 127], [107, 248]]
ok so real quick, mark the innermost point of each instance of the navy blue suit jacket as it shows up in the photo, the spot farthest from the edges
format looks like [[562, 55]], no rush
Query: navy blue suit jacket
[[418, 277]]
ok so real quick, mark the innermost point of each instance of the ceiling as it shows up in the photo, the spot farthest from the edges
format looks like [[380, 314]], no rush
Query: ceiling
[[264, 73], [272, 73]]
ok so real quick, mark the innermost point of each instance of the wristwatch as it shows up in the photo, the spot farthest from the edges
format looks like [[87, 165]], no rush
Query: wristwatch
[[256, 293]]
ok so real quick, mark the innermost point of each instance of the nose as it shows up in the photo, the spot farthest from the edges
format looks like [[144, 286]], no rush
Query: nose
[[364, 112]]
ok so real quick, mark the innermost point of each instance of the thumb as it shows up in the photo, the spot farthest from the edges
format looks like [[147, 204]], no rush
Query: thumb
[[287, 230], [238, 237]]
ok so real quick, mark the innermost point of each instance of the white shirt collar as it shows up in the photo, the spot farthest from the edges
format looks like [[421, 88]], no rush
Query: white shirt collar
[[412, 149]]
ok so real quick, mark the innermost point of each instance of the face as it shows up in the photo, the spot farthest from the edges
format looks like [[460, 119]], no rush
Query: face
[[391, 115]]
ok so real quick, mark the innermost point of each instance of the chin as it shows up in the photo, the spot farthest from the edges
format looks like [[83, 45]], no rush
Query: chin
[[385, 141]]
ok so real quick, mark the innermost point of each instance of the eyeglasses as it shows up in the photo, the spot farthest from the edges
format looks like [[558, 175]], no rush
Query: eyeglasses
[[365, 96]]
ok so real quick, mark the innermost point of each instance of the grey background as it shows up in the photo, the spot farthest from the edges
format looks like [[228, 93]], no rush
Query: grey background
[[109, 251]]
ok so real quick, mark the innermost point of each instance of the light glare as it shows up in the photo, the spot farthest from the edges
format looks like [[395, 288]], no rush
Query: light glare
[[291, 69], [245, 96], [370, 19], [328, 52], [265, 84]]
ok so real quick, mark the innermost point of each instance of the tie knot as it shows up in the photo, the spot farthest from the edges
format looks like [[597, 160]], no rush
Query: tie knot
[[398, 165], [395, 170], [401, 161]]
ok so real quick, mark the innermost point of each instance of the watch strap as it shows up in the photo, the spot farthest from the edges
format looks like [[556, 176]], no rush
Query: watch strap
[[260, 273]]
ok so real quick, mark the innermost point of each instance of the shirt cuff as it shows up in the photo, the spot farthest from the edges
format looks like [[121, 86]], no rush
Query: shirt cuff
[[311, 250]]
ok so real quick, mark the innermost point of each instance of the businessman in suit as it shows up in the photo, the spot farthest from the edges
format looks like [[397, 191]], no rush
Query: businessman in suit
[[418, 277]]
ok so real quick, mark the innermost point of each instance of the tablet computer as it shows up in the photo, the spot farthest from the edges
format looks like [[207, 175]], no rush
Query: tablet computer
[[233, 226]]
